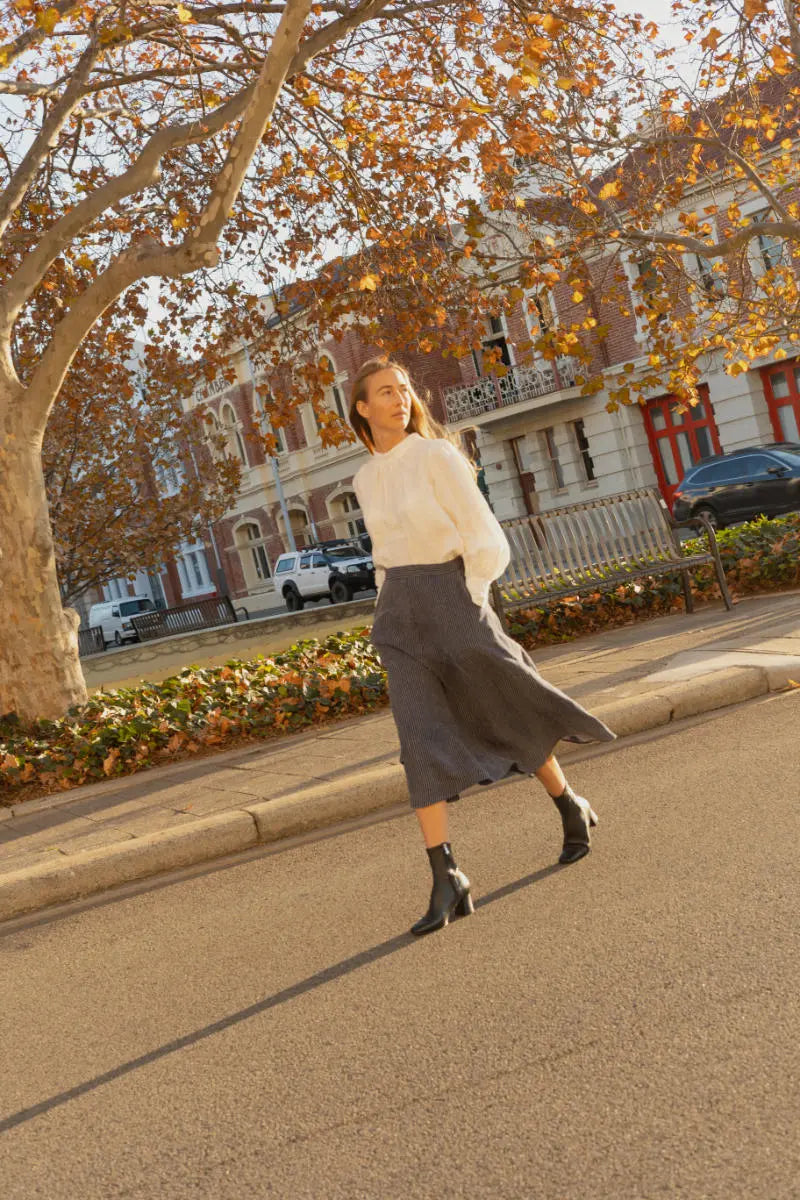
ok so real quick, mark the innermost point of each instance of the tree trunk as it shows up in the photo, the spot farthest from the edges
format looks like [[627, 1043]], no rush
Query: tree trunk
[[40, 671]]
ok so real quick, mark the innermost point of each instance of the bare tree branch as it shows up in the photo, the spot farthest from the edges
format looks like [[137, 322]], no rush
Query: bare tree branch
[[44, 142]]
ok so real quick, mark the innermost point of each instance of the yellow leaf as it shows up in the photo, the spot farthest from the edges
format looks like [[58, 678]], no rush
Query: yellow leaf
[[181, 220], [475, 107], [551, 24], [577, 297], [183, 14], [48, 19], [609, 190], [368, 283], [565, 82]]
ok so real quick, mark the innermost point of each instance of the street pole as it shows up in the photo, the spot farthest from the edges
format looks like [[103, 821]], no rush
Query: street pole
[[273, 460]]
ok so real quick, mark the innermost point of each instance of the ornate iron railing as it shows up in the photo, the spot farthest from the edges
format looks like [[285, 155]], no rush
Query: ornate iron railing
[[517, 385]]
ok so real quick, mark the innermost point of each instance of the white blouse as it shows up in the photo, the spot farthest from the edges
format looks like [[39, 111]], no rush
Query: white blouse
[[421, 504]]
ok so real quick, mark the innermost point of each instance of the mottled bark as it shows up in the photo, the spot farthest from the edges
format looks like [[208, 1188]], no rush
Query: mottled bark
[[40, 672]]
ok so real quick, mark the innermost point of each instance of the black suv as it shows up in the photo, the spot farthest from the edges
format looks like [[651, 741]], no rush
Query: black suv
[[753, 482]]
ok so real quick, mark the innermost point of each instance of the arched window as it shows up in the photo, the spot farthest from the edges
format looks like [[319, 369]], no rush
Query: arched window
[[233, 433], [253, 554], [346, 515], [261, 417], [301, 527], [334, 393], [193, 569]]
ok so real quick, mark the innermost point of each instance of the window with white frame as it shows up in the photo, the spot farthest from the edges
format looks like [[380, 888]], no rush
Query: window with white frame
[[233, 433], [647, 294], [169, 476], [261, 409], [711, 281], [540, 307], [346, 513], [253, 554], [582, 443], [551, 450], [115, 589], [334, 392], [193, 569], [495, 338], [770, 247]]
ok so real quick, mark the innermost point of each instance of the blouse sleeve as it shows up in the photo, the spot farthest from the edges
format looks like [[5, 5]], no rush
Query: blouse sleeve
[[358, 488], [485, 549]]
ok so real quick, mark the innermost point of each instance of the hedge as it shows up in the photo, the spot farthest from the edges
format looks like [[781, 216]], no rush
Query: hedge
[[117, 733]]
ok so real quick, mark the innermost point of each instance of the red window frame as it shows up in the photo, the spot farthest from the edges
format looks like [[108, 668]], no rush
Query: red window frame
[[790, 367], [678, 424]]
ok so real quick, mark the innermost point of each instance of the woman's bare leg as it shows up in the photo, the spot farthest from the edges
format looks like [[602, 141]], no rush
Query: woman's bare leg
[[433, 822], [552, 776]]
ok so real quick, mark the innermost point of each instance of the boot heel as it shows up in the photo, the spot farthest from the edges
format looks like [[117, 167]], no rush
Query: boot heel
[[592, 817], [465, 907]]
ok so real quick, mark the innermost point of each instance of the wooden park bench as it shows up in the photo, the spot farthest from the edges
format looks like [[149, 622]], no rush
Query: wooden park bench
[[596, 546]]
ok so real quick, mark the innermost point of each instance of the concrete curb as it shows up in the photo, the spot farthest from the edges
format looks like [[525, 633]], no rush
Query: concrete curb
[[83, 874]]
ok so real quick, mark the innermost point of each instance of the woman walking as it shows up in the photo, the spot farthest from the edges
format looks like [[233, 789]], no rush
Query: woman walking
[[469, 704]]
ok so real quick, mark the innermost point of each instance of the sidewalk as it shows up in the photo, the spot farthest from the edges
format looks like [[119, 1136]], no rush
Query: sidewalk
[[636, 678]]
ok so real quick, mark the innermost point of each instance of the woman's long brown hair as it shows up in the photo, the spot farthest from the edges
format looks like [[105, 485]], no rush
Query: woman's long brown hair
[[421, 420]]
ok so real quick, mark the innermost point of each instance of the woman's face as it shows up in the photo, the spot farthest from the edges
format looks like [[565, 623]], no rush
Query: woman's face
[[387, 407]]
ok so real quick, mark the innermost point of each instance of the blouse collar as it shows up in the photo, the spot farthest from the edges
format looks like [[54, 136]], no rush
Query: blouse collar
[[398, 449]]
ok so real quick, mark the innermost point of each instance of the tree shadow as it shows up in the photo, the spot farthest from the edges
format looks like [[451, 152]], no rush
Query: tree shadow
[[337, 971]]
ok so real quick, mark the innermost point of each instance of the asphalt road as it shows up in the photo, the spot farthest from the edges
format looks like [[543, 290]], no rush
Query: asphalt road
[[622, 1029]]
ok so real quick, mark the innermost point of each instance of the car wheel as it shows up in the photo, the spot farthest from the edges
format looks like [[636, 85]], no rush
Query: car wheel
[[709, 514], [340, 592], [294, 601]]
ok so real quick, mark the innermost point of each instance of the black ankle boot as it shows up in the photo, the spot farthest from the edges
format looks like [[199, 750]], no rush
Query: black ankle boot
[[450, 895], [577, 818]]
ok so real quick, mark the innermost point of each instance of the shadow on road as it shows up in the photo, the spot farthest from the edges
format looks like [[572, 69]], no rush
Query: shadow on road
[[319, 979]]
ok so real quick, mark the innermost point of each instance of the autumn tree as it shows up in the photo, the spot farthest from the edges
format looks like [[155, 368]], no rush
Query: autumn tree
[[129, 472], [222, 149]]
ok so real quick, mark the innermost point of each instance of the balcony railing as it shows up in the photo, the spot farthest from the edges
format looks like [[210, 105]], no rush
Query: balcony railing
[[517, 385]]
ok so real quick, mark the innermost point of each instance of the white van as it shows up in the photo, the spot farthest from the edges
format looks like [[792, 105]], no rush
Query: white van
[[113, 617]]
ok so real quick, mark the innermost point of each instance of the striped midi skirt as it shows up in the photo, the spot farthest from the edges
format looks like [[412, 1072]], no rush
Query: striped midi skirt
[[469, 705]]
